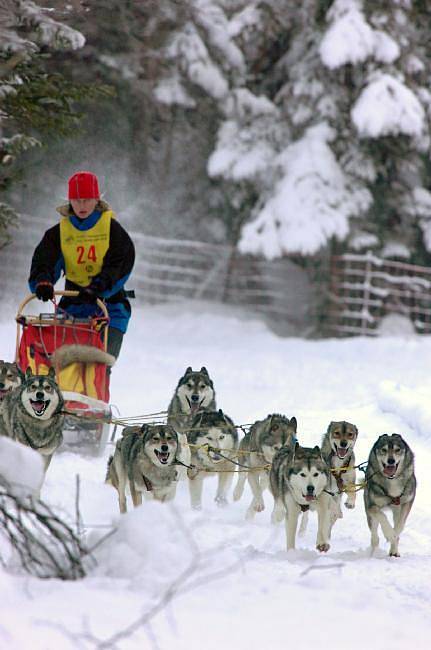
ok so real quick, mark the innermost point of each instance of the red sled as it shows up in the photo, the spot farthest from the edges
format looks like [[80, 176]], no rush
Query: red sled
[[77, 349]]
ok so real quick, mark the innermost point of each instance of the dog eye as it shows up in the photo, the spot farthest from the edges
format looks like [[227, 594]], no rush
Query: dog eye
[[302, 474], [221, 437], [34, 387], [316, 474], [202, 386]]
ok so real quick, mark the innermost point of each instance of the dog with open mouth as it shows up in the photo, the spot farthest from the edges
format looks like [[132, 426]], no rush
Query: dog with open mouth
[[300, 480], [390, 485], [33, 414], [194, 393], [213, 441], [147, 461]]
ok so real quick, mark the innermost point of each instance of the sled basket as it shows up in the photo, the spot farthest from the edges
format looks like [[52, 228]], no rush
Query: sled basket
[[56, 340]]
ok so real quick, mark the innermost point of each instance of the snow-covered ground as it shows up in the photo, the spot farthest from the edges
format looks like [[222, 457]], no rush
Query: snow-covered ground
[[239, 588]]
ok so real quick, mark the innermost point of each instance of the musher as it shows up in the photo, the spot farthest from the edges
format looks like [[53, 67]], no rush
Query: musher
[[94, 252]]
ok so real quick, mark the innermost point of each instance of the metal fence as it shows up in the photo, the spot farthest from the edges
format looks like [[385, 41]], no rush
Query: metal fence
[[365, 288], [168, 270]]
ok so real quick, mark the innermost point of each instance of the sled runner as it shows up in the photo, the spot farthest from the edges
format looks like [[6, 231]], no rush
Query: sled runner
[[77, 349]]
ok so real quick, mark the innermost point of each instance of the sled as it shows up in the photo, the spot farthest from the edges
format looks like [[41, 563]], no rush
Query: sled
[[58, 340]]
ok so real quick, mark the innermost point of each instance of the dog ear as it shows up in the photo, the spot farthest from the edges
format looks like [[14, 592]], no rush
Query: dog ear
[[188, 370], [204, 371], [28, 372], [20, 372], [144, 429], [329, 426], [51, 373], [293, 423]]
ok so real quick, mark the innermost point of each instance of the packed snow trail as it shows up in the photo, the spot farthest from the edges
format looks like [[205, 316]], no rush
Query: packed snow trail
[[242, 590]]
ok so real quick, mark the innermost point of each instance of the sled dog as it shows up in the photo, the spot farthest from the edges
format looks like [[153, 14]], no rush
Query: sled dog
[[390, 483], [32, 414], [213, 438], [194, 393], [299, 478], [337, 451], [10, 378], [145, 460], [257, 450]]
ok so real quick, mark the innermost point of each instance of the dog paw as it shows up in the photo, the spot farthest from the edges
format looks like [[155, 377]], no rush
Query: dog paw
[[277, 517], [237, 495], [323, 548], [196, 506], [394, 554], [221, 502], [259, 506]]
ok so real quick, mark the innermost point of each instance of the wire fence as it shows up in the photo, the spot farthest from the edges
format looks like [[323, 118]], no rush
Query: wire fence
[[365, 289], [169, 270]]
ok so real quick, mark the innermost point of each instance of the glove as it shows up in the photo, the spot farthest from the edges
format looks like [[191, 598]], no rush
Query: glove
[[87, 295], [44, 291]]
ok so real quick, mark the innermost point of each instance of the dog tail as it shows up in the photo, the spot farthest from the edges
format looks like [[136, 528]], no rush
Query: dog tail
[[108, 478], [67, 354]]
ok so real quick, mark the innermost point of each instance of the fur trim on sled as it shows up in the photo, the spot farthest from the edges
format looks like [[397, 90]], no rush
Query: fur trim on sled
[[67, 354]]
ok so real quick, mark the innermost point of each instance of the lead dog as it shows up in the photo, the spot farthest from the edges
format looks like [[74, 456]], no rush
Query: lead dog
[[299, 480], [145, 460], [390, 484], [194, 393], [257, 450], [213, 440]]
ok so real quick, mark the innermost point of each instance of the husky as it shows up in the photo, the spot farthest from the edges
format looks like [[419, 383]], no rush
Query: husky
[[194, 393], [10, 378], [213, 439], [390, 483], [145, 460], [257, 450], [299, 480], [32, 414]]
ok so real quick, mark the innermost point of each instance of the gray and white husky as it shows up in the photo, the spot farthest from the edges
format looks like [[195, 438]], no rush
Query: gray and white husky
[[10, 378], [257, 450], [390, 484], [299, 480], [145, 460], [194, 393], [213, 439], [32, 414]]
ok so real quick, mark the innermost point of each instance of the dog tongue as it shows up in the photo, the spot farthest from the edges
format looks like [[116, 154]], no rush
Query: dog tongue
[[389, 470], [341, 451], [309, 497], [38, 406]]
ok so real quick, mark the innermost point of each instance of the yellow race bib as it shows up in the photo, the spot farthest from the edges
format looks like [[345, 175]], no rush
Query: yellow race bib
[[84, 250]]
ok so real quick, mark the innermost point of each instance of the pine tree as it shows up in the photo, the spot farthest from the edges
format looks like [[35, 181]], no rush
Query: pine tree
[[33, 101]]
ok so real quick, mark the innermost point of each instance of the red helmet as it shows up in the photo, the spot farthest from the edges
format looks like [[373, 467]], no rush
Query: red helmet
[[83, 185]]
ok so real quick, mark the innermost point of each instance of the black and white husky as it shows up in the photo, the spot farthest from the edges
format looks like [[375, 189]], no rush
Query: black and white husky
[[257, 450], [194, 393], [32, 414], [390, 485], [213, 441], [299, 480]]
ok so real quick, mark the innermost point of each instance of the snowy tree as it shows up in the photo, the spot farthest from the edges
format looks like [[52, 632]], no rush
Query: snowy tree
[[32, 101], [323, 111]]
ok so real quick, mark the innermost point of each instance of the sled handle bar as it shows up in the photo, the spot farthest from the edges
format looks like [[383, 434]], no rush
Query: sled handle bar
[[69, 294]]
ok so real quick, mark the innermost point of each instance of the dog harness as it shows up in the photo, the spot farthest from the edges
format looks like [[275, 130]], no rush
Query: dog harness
[[84, 250]]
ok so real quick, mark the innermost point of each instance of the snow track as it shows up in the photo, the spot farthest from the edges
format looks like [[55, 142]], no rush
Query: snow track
[[242, 590]]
